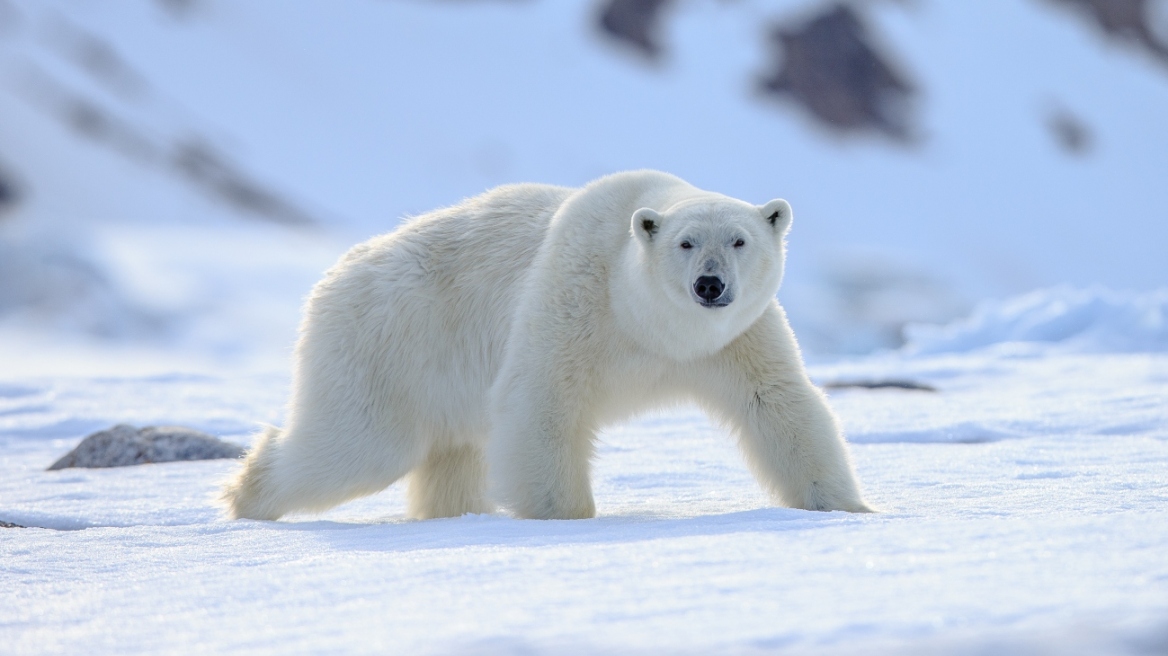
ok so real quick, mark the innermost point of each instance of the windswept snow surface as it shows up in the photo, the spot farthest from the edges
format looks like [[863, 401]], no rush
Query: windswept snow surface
[[1064, 318], [1024, 510]]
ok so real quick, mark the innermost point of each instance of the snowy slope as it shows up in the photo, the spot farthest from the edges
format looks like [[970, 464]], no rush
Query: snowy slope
[[358, 116]]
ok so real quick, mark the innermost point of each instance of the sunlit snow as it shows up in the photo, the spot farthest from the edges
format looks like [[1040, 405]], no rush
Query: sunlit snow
[[1023, 503]]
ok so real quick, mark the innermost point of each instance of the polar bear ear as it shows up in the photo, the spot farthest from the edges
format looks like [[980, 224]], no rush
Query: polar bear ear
[[646, 223], [778, 214]]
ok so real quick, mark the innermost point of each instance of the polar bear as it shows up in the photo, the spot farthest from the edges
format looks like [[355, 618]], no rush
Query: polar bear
[[500, 334]]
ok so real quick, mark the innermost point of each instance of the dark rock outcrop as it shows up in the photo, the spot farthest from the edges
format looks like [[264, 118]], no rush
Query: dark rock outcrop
[[125, 445], [200, 164], [910, 385], [1124, 20], [193, 159], [8, 193], [635, 23], [830, 65], [1070, 132]]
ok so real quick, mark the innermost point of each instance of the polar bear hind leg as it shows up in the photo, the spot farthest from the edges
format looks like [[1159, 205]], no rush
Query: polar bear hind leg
[[248, 495], [293, 472], [450, 482]]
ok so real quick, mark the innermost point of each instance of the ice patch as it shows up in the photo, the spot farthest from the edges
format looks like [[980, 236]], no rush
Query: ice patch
[[1091, 320]]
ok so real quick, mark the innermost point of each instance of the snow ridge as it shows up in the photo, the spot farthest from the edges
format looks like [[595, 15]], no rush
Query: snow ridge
[[1089, 320]]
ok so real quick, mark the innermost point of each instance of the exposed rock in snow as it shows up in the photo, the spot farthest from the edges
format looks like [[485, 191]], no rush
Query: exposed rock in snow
[[1070, 132], [8, 194], [635, 23], [882, 383], [80, 78], [200, 163], [1134, 21], [830, 65], [125, 445]]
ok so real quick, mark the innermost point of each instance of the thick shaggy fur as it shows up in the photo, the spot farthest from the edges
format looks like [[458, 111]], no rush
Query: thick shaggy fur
[[508, 329]]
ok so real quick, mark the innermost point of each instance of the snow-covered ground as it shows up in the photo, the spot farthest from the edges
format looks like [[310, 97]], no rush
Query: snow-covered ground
[[184, 170], [1024, 509]]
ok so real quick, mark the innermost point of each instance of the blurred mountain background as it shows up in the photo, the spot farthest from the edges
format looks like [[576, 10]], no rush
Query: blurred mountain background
[[176, 174]]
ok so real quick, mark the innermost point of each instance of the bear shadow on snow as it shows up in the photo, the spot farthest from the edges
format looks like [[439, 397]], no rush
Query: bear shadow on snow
[[479, 348], [494, 531]]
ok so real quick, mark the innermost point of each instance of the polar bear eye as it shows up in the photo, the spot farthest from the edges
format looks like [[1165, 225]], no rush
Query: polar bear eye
[[686, 245], [739, 244]]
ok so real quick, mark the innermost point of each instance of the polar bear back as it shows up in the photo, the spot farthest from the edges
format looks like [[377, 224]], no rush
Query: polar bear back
[[418, 318]]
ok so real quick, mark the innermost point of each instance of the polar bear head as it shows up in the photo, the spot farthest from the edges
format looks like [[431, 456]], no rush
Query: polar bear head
[[708, 268]]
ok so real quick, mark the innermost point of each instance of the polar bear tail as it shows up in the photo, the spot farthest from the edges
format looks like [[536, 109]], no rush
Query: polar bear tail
[[252, 494]]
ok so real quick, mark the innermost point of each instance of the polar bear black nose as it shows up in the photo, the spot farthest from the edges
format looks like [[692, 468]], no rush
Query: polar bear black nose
[[708, 288]]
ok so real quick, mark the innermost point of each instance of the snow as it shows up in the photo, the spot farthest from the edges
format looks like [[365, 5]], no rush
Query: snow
[[1024, 503], [1021, 505], [1081, 320]]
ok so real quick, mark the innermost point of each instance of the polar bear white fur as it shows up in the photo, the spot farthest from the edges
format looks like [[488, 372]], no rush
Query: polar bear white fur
[[508, 329]]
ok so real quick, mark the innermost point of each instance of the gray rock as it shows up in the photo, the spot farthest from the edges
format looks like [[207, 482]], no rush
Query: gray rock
[[891, 383], [1133, 21], [635, 23], [8, 194], [125, 445], [831, 64]]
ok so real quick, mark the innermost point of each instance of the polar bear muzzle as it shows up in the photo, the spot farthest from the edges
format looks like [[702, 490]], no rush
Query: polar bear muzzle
[[710, 290]]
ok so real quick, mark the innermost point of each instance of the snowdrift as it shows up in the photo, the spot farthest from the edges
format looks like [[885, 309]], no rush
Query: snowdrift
[[1090, 320]]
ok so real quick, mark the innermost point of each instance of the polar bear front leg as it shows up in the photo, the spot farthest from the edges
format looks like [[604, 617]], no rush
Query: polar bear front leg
[[540, 450], [787, 432]]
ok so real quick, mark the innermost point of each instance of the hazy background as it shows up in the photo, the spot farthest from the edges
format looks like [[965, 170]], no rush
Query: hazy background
[[176, 174]]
